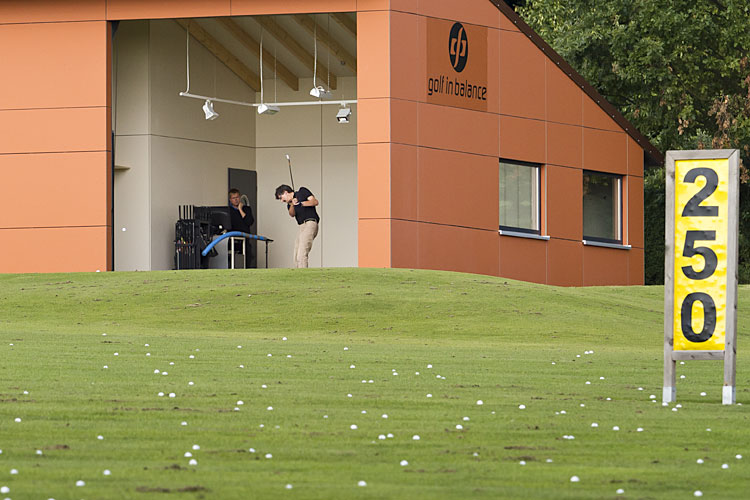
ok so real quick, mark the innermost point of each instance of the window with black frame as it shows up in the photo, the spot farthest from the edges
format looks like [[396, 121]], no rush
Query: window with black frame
[[602, 207], [520, 187]]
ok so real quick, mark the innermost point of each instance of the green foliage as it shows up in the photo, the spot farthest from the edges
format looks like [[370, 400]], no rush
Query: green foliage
[[679, 71], [653, 210], [503, 342]]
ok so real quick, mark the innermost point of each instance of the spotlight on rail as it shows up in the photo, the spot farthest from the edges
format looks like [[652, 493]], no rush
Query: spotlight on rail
[[265, 109], [320, 93], [208, 108], [344, 114]]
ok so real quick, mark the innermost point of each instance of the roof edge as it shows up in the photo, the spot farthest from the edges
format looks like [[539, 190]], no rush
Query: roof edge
[[652, 156]]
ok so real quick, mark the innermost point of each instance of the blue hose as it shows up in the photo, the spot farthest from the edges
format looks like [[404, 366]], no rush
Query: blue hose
[[230, 234]]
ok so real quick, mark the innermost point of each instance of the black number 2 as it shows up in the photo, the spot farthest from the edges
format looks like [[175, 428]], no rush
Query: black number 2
[[693, 208]]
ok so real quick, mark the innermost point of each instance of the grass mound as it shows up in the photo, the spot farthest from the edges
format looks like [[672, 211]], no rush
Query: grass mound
[[352, 383]]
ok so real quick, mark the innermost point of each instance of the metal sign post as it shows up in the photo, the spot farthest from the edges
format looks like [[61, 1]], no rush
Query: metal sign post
[[700, 269]]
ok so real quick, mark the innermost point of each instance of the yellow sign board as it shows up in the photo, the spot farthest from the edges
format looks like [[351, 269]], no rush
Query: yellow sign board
[[700, 275], [700, 254]]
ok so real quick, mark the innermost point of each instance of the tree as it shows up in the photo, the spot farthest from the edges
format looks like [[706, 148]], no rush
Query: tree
[[678, 70]]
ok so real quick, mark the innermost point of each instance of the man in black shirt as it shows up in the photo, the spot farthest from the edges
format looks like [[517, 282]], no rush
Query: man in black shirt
[[301, 206], [241, 219], [241, 216]]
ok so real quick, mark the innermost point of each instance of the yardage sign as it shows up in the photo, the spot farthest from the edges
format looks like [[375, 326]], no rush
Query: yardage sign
[[701, 262]]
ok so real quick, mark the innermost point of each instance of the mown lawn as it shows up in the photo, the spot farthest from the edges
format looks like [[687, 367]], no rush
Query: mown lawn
[[282, 363]]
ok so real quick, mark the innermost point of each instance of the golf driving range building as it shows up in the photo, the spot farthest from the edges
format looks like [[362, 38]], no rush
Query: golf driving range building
[[470, 146]]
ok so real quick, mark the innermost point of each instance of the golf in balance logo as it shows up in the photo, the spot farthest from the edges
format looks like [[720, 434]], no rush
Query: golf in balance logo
[[458, 47], [454, 79]]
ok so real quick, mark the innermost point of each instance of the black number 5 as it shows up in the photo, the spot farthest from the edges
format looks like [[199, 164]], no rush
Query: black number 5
[[709, 256], [693, 208]]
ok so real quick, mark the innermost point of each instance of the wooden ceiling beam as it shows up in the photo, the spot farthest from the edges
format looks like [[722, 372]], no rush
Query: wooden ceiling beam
[[346, 22], [269, 61], [306, 58], [309, 23], [222, 53]]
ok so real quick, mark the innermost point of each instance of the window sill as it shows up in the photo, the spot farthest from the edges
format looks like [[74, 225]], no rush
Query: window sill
[[519, 234], [606, 245]]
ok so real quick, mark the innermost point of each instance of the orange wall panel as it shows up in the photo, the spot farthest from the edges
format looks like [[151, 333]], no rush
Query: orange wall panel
[[605, 151], [45, 11], [363, 5], [405, 244], [263, 7], [493, 71], [595, 117], [565, 263], [54, 130], [61, 189], [373, 55], [458, 249], [405, 128], [53, 65], [458, 189], [374, 123], [635, 158], [605, 266], [564, 97], [636, 267], [479, 12], [522, 77], [564, 145], [635, 211], [374, 180], [523, 139], [149, 9], [457, 129], [564, 203], [48, 250], [404, 182], [374, 243], [523, 259], [408, 60]]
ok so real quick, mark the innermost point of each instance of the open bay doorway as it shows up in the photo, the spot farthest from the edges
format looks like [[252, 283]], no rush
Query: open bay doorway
[[167, 153]]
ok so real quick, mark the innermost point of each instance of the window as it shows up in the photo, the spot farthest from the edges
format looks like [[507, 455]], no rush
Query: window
[[602, 207], [519, 197]]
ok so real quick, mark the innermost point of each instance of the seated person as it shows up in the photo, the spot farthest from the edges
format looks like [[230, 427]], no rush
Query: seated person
[[241, 217]]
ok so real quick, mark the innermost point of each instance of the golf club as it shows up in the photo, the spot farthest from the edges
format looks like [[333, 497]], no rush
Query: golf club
[[289, 161]]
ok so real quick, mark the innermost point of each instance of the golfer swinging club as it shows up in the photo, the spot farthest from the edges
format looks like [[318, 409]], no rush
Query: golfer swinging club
[[301, 206]]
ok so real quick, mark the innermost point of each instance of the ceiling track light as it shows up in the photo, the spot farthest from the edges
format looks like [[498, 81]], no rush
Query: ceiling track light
[[263, 108], [266, 109], [320, 92], [344, 114], [208, 109]]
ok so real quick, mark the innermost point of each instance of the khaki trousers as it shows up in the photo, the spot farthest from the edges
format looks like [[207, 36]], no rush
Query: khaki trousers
[[308, 230]]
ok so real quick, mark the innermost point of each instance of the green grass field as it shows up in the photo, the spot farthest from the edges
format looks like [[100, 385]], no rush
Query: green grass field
[[291, 382]]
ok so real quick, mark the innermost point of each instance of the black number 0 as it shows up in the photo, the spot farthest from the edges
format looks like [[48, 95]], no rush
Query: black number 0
[[693, 208], [709, 317]]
